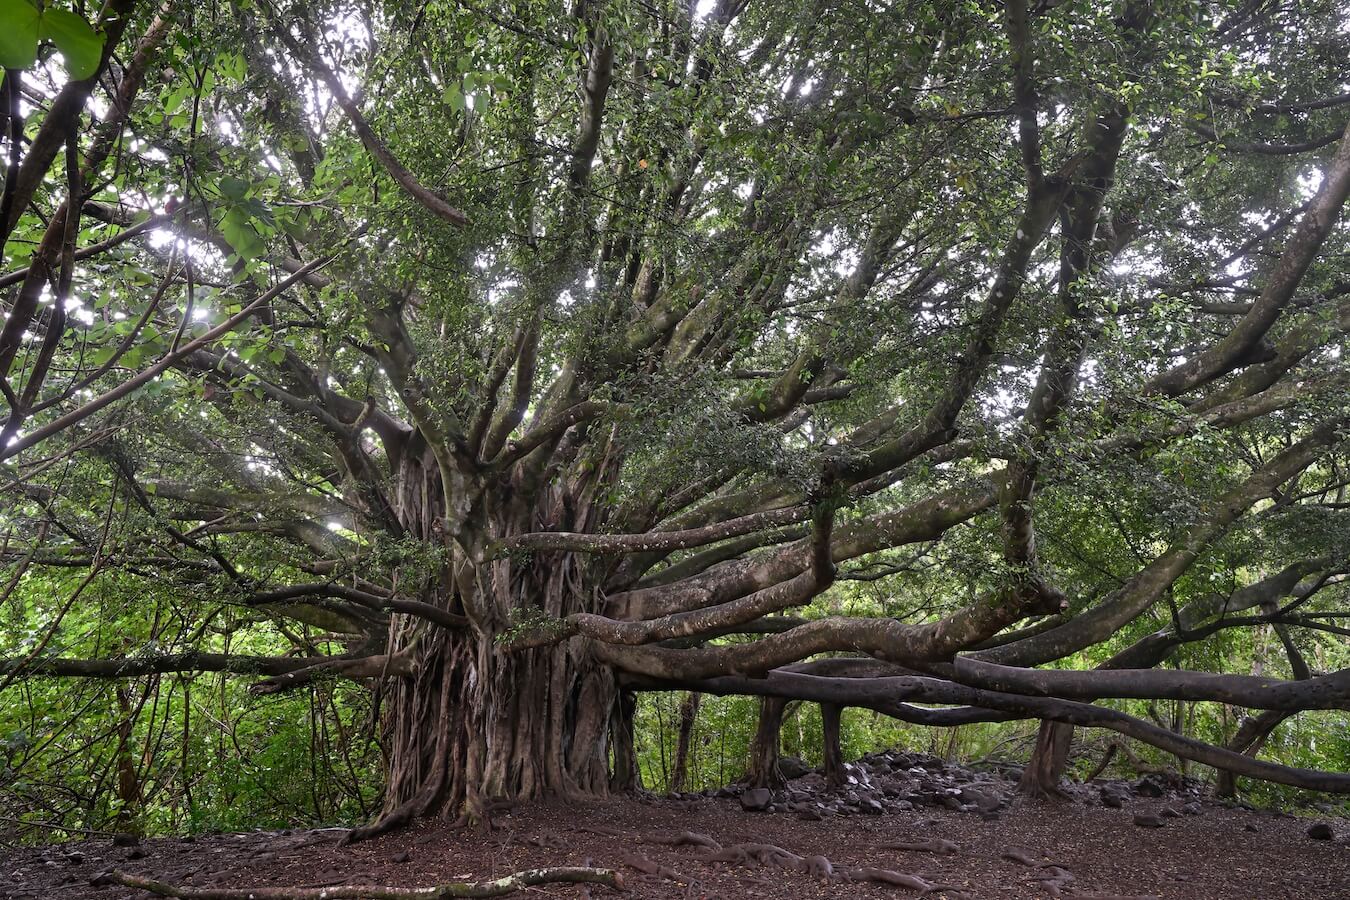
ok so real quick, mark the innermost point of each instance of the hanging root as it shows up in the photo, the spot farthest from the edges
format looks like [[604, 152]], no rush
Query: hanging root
[[495, 887]]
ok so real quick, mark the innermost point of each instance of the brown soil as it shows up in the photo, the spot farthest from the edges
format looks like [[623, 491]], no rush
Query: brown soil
[[1221, 853]]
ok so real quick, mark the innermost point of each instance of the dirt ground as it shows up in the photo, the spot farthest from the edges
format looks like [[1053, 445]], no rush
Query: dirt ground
[[1219, 853]]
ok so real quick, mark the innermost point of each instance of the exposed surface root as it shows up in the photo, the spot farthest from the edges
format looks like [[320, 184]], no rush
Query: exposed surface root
[[684, 837], [932, 845], [1021, 857], [495, 887], [1055, 879], [895, 879], [648, 866], [821, 867]]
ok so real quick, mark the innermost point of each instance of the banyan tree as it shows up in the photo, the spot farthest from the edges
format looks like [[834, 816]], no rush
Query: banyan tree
[[963, 362]]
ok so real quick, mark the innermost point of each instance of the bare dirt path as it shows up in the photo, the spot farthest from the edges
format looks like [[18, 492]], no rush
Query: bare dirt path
[[1075, 850]]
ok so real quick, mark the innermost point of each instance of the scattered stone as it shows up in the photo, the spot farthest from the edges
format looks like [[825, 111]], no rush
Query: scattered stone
[[1321, 831], [1111, 797], [1148, 820], [756, 800]]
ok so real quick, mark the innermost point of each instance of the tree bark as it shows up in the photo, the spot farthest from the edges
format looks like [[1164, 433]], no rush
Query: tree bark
[[764, 770], [1045, 770], [834, 756], [625, 775], [688, 716], [1250, 738]]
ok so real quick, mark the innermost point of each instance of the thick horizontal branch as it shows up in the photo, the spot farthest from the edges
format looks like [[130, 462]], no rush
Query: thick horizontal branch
[[1325, 692], [653, 540], [161, 664], [882, 693]]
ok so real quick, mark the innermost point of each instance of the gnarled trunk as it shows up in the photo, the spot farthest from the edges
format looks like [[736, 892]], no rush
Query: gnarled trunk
[[478, 723], [1045, 769]]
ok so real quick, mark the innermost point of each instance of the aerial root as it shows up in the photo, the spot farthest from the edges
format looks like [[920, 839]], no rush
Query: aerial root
[[492, 887]]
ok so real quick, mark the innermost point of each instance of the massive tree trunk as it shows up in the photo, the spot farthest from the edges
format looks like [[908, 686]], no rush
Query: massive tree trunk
[[1045, 769], [478, 722]]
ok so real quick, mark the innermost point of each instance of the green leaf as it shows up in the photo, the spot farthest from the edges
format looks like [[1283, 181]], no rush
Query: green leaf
[[79, 43], [18, 33], [232, 188]]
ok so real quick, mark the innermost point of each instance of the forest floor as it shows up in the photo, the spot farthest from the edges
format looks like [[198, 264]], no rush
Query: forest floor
[[1005, 847]]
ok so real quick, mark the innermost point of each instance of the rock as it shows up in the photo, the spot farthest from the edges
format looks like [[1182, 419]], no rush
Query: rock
[[984, 795], [1147, 820], [1321, 831], [792, 767], [756, 800], [402, 857], [125, 839], [1168, 812]]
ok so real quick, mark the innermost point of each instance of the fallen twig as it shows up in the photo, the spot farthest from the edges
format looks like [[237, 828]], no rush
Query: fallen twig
[[495, 887]]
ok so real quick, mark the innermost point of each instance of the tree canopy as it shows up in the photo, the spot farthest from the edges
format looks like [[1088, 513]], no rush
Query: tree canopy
[[962, 361]]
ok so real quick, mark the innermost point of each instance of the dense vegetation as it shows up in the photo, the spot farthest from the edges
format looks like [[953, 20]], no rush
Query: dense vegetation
[[414, 406]]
